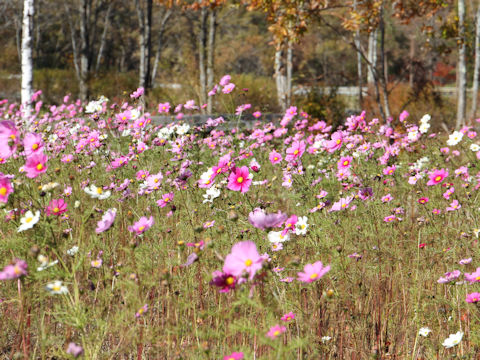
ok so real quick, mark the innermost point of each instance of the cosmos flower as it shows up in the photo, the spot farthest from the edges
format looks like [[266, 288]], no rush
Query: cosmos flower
[[437, 176], [261, 220], [14, 271], [453, 339], [56, 207], [240, 179], [28, 220], [313, 272], [275, 331], [97, 192], [35, 165], [244, 258], [6, 188], [56, 288], [142, 225]]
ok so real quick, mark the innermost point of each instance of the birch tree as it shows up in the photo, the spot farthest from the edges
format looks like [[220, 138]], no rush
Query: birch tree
[[476, 69], [27, 62], [461, 67]]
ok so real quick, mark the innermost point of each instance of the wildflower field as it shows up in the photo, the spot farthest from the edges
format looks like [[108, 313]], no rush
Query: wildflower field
[[125, 239]]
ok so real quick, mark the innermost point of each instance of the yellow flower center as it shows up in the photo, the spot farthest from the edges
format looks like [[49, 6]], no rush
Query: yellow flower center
[[295, 152], [276, 333], [230, 280], [56, 288], [34, 146], [3, 191], [27, 220], [346, 162], [275, 158], [240, 179], [438, 178], [56, 210], [39, 167], [219, 170], [13, 137], [339, 141], [141, 228], [140, 124], [313, 276], [99, 190], [17, 270], [166, 199], [248, 262]]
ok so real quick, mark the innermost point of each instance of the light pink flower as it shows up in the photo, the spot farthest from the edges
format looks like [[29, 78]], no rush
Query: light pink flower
[[313, 272], [142, 225], [276, 331], [35, 165], [6, 188], [244, 258]]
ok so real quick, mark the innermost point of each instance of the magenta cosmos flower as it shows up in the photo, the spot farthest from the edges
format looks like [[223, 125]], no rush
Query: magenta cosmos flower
[[288, 317], [473, 297], [295, 151], [166, 198], [32, 143], [35, 165], [263, 221], [437, 176], [244, 258], [275, 157], [56, 207], [107, 220], [473, 277], [313, 272], [6, 188], [142, 225], [8, 139], [345, 162], [449, 277], [276, 331], [234, 356], [239, 179], [15, 270]]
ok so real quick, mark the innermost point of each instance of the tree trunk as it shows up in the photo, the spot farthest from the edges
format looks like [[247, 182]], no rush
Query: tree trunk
[[27, 62], [411, 71], [141, 43], [477, 65], [280, 79], [103, 40], [202, 42], [372, 57], [461, 68], [84, 48], [165, 18], [148, 45], [359, 63], [289, 73], [383, 59], [211, 56]]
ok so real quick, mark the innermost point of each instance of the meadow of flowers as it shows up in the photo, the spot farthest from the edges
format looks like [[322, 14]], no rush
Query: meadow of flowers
[[125, 239]]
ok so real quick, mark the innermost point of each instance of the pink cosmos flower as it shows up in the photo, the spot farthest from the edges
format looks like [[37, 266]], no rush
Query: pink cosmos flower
[[142, 225], [166, 198], [389, 218], [313, 272], [141, 311], [136, 94], [239, 179], [423, 200], [455, 205], [335, 143], [6, 188], [465, 261], [263, 221], [389, 170], [141, 174], [14, 271], [450, 276], [8, 139], [107, 221], [74, 349], [437, 176], [225, 80], [227, 89], [473, 297], [164, 108], [56, 207], [208, 224], [341, 204], [244, 258], [257, 114], [387, 198], [213, 91], [274, 157], [276, 331], [295, 151], [234, 356], [67, 158], [345, 162], [32, 143], [473, 277], [403, 116], [288, 317], [35, 165]]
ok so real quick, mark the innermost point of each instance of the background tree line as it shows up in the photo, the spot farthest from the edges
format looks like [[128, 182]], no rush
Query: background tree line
[[282, 51]]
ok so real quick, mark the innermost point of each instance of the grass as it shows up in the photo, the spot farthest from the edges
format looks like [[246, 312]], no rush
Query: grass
[[371, 305]]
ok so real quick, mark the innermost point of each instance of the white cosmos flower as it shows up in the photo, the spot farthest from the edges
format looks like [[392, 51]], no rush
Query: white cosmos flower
[[424, 331], [453, 339], [44, 264], [93, 106], [211, 193], [301, 226], [425, 119], [97, 192], [454, 138], [56, 288], [72, 251], [277, 237], [325, 339], [475, 147], [28, 220], [424, 128]]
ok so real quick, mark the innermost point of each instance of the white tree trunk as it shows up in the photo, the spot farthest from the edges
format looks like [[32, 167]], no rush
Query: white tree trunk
[[372, 56], [461, 68], [280, 79], [477, 65], [27, 63]]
